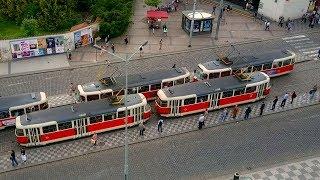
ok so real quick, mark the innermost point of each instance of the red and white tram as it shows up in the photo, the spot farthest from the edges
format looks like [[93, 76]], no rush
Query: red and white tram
[[148, 84], [211, 94], [16, 105], [273, 63], [78, 120]]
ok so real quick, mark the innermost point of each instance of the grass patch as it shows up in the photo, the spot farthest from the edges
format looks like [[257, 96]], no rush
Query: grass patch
[[9, 30]]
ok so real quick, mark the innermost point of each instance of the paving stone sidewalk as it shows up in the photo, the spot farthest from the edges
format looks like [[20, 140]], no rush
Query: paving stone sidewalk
[[172, 126]]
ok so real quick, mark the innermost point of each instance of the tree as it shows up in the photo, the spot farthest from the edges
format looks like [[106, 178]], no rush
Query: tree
[[30, 27], [153, 3]]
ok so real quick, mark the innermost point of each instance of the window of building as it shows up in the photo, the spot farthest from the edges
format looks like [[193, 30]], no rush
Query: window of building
[[48, 129], [64, 125]]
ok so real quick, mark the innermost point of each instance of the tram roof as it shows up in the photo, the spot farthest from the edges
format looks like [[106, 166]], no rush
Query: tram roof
[[136, 80], [18, 100], [85, 109], [215, 85], [243, 61]]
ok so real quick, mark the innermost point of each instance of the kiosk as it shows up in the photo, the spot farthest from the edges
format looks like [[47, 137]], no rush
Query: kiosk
[[202, 21]]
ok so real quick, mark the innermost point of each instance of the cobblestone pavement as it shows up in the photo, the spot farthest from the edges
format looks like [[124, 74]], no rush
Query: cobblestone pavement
[[171, 126], [302, 170]]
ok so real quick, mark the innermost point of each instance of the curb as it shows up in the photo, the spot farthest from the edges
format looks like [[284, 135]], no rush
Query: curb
[[151, 56], [160, 137]]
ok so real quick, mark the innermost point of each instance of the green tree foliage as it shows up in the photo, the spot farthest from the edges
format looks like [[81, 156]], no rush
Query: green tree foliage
[[153, 3], [30, 27]]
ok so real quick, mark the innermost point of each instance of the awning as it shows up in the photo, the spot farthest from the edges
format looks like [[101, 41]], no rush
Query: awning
[[153, 14]]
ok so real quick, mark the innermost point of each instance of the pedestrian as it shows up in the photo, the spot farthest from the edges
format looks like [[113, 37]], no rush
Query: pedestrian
[[13, 159], [235, 111], [141, 51], [274, 103], [267, 25], [304, 18], [247, 112], [165, 31], [293, 96], [160, 123], [224, 115], [72, 89], [160, 44], [142, 128], [126, 40], [94, 139], [174, 66], [201, 121], [112, 47], [107, 39], [263, 105], [281, 19], [153, 30], [247, 6], [213, 10], [69, 54], [313, 91], [288, 21], [23, 155], [284, 100], [319, 53]]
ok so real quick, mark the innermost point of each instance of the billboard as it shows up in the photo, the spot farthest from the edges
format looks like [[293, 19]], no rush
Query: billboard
[[83, 37], [37, 47]]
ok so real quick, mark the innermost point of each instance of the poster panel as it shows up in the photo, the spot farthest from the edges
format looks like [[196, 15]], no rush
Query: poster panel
[[50, 45], [59, 44]]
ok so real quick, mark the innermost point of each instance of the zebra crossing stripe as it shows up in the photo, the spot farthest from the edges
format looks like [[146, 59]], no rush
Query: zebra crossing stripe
[[311, 48], [294, 37], [309, 52], [297, 40]]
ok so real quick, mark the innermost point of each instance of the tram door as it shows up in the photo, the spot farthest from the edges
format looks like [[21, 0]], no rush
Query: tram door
[[34, 135], [137, 112], [80, 126], [175, 107], [261, 88], [215, 99]]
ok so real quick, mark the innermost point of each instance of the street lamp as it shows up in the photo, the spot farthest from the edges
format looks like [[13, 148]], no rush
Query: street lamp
[[126, 60], [219, 19], [192, 21]]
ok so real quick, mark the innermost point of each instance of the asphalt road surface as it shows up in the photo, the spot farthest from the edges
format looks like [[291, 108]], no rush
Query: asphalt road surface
[[208, 153]]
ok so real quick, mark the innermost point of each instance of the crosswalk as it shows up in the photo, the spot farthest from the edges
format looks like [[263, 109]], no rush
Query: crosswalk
[[307, 49]]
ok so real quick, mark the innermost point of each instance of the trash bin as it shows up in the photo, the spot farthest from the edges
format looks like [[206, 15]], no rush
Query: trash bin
[[236, 176]]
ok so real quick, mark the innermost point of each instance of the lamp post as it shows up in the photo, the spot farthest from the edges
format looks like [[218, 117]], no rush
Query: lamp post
[[219, 19], [192, 21], [126, 60]]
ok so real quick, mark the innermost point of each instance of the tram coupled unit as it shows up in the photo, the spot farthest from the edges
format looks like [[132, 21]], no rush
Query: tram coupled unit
[[211, 94], [16, 105], [79, 120], [274, 63], [147, 83]]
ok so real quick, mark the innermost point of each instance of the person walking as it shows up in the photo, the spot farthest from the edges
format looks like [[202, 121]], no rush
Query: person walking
[[224, 115], [13, 159], [313, 92], [23, 155], [293, 96], [160, 44], [247, 112], [304, 18], [201, 121], [160, 123], [107, 39], [165, 31], [141, 51], [72, 89], [213, 10], [319, 53], [281, 20], [274, 103], [113, 49], [126, 41], [267, 24], [235, 111], [94, 139], [263, 105], [142, 128], [284, 100]]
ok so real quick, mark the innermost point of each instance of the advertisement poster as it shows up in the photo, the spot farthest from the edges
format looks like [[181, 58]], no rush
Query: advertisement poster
[[83, 37], [37, 47]]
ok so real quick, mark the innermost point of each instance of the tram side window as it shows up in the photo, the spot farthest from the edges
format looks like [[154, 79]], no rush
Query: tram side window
[[162, 103], [277, 64], [64, 125], [257, 68], [47, 129], [132, 90], [187, 79], [121, 114], [227, 94], [248, 69], [109, 116], [95, 119], [189, 101], [251, 89], [204, 76], [239, 91], [144, 89], [83, 99], [179, 81], [19, 132], [105, 95], [155, 86], [4, 115], [168, 84], [214, 75], [92, 97], [286, 62], [44, 105], [17, 112], [267, 66], [225, 73], [36, 108], [202, 98]]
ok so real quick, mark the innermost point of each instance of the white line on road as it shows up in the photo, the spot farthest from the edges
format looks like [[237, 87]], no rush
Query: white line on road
[[53, 77], [18, 83], [310, 52], [305, 44], [294, 37], [297, 40], [311, 48]]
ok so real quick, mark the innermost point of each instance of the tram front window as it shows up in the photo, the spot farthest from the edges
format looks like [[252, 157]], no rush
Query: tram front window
[[161, 103]]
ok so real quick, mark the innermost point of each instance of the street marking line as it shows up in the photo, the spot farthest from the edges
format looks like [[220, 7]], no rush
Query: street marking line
[[313, 55], [305, 44], [294, 37], [296, 40], [312, 48], [18, 83], [309, 52]]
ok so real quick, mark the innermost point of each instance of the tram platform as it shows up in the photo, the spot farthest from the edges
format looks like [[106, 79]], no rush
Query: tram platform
[[113, 139]]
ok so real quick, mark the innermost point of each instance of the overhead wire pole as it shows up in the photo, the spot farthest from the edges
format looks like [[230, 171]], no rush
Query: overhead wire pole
[[219, 19], [192, 21]]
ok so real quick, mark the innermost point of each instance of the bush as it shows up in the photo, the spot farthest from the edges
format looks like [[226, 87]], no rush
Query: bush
[[153, 3], [30, 27]]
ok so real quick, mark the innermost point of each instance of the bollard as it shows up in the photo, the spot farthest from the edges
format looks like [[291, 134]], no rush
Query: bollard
[[236, 176]]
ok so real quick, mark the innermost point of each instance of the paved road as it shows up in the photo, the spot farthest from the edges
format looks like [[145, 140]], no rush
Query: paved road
[[209, 153]]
